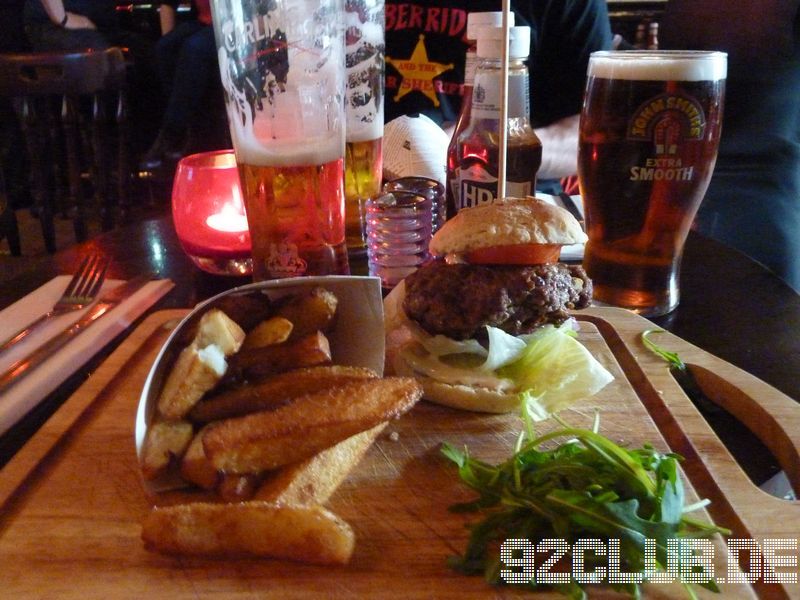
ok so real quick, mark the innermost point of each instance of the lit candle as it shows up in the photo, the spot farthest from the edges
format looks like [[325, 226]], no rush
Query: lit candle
[[231, 218], [228, 220], [209, 215]]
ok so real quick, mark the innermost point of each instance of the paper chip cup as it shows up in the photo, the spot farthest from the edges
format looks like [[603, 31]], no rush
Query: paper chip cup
[[357, 339]]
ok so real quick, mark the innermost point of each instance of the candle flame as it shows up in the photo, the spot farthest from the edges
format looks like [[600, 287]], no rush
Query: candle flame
[[231, 218]]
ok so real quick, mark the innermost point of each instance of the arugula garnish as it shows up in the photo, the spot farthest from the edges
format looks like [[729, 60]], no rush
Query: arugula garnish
[[681, 373], [585, 487]]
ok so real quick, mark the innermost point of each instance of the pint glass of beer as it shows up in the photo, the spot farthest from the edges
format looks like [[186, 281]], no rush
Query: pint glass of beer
[[363, 163], [649, 133], [282, 69]]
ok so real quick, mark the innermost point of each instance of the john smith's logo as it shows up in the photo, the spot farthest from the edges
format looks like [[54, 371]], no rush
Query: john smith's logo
[[666, 120]]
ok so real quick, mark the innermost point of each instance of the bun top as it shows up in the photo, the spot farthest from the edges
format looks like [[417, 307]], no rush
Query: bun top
[[510, 222]]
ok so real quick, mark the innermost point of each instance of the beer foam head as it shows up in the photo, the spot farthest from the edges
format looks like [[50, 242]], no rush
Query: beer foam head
[[299, 119], [661, 65], [300, 127]]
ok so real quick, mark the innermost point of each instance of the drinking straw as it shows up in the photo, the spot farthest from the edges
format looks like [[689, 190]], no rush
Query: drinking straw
[[503, 137]]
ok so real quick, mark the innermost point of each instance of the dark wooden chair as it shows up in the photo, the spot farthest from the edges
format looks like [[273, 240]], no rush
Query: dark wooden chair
[[9, 230], [73, 113]]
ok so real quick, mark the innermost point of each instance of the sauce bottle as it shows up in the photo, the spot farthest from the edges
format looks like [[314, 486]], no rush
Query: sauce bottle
[[477, 146], [475, 22]]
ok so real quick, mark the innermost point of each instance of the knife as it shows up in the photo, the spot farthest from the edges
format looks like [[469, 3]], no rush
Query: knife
[[570, 205], [108, 301]]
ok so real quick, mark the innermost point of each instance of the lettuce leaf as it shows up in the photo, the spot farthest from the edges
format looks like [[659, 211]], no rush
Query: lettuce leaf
[[554, 371], [504, 349], [549, 368]]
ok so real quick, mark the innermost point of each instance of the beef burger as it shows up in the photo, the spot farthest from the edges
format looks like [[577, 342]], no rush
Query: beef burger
[[465, 323]]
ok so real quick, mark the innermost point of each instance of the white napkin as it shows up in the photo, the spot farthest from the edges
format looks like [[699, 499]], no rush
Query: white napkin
[[414, 146], [32, 389], [575, 251]]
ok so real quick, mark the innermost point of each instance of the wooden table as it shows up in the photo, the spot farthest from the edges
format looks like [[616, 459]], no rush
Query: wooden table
[[73, 502], [730, 306]]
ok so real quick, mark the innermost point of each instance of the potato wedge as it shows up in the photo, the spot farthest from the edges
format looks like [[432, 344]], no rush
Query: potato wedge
[[308, 312], [296, 431], [247, 310], [196, 467], [201, 365], [195, 372], [259, 363], [166, 442], [275, 330], [217, 328], [235, 488], [308, 534], [274, 391], [314, 480]]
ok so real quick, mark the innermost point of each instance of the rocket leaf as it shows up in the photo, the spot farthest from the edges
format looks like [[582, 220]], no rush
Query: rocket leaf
[[586, 487]]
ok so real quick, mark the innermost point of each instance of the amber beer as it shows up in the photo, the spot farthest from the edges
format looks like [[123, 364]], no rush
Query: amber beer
[[362, 180], [649, 134], [296, 219]]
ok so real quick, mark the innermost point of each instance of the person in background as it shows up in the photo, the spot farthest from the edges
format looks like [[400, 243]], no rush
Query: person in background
[[426, 46], [186, 59], [80, 25], [71, 25], [753, 200]]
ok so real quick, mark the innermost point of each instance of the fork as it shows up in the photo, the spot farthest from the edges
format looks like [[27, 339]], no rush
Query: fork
[[79, 293]]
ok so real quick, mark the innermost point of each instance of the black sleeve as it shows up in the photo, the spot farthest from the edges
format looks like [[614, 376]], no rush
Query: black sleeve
[[565, 33]]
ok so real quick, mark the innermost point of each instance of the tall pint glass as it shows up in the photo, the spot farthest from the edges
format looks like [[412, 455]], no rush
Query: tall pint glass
[[363, 163], [282, 69], [649, 133]]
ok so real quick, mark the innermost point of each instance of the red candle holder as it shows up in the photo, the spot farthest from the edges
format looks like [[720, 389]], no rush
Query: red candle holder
[[209, 215]]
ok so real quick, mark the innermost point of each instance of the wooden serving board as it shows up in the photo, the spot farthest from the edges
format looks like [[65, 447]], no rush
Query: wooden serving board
[[72, 500]]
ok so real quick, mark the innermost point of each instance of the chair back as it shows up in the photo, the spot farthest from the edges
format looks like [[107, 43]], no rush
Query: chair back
[[62, 102], [51, 74]]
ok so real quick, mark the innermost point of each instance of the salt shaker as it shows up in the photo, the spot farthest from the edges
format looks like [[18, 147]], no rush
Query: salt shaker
[[428, 187], [398, 234]]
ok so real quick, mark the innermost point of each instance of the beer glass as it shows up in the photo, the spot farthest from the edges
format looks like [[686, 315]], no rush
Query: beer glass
[[282, 69], [649, 133], [363, 163]]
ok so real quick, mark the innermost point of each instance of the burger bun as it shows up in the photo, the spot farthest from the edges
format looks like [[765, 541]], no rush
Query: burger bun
[[513, 221]]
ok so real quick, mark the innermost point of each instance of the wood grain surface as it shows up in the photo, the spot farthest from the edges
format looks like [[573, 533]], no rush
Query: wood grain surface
[[72, 500]]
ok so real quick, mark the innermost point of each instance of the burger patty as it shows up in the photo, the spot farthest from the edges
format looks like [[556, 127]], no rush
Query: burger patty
[[459, 300]]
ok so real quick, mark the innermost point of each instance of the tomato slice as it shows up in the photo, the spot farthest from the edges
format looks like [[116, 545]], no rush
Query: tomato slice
[[516, 254]]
